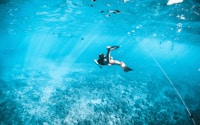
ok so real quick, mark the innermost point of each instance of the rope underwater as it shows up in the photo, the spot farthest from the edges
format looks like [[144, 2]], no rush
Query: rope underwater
[[172, 84]]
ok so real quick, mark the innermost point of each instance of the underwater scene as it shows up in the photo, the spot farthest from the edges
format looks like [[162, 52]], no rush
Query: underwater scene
[[99, 62]]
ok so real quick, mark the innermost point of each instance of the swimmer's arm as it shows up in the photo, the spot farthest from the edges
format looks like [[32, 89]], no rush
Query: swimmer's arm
[[97, 63]]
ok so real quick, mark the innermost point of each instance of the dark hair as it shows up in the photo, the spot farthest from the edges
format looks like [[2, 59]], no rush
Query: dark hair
[[101, 55]]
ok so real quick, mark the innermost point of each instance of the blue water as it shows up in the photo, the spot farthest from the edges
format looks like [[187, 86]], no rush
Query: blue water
[[48, 76]]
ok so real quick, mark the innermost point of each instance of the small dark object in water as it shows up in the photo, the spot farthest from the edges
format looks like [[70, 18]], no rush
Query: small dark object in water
[[116, 11], [191, 115]]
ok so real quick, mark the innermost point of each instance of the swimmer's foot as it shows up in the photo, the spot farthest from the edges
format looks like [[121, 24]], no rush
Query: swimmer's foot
[[125, 68], [112, 47]]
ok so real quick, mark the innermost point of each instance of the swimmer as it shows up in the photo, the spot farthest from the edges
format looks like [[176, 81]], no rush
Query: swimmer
[[108, 60]]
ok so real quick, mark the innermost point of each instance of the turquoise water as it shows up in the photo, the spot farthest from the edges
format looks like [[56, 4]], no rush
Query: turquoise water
[[48, 76]]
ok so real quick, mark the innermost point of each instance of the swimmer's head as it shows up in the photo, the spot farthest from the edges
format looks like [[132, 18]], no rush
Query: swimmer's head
[[101, 55]]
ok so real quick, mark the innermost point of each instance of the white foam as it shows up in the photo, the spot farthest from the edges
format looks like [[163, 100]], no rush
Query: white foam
[[96, 101], [126, 1], [165, 49], [182, 17], [170, 2], [79, 111], [46, 94]]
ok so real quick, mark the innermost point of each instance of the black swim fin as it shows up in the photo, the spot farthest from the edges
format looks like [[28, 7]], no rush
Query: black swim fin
[[127, 69], [112, 47]]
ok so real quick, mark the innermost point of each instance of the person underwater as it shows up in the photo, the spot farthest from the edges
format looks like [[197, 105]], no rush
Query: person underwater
[[108, 60]]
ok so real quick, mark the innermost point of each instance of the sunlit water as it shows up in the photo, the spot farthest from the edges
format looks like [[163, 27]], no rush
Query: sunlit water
[[48, 76]]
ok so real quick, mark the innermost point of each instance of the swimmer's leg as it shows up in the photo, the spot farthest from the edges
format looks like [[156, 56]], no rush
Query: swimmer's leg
[[115, 62], [109, 48], [121, 64], [108, 57]]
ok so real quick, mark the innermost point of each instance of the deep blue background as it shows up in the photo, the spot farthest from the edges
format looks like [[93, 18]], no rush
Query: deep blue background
[[48, 75]]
